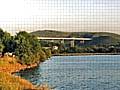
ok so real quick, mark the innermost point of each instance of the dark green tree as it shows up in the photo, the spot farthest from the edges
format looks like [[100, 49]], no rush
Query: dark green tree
[[1, 47]]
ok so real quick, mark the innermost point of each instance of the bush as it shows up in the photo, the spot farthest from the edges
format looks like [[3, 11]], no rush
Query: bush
[[42, 56], [28, 49], [47, 52]]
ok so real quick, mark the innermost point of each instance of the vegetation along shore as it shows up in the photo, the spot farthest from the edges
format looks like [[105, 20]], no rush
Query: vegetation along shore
[[26, 52], [101, 42], [84, 54]]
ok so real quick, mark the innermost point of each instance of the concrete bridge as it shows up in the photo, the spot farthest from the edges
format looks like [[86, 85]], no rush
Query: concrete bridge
[[72, 40]]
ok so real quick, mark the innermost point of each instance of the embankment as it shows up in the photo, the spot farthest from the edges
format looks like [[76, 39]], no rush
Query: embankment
[[9, 81]]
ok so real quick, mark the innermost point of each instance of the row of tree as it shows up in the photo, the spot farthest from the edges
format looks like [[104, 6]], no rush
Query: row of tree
[[25, 46], [92, 49], [65, 48]]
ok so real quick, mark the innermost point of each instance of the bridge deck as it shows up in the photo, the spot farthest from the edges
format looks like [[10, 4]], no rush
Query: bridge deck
[[51, 38]]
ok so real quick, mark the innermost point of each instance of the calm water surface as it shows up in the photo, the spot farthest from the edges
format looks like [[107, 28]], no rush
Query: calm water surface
[[78, 73]]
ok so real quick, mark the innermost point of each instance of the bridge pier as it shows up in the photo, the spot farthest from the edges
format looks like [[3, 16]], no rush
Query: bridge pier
[[52, 41], [72, 43], [62, 41], [82, 41]]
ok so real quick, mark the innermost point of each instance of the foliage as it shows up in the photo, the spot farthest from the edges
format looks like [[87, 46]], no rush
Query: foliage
[[47, 52], [1, 47], [26, 47]]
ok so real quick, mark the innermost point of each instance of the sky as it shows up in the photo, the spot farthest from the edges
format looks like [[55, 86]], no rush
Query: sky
[[61, 15]]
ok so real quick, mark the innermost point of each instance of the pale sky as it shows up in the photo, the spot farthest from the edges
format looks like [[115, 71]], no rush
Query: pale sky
[[62, 15]]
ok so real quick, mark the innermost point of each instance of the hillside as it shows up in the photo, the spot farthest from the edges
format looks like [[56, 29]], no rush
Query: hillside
[[98, 38], [50, 33]]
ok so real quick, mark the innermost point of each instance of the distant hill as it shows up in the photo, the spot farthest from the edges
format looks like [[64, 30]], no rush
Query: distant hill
[[98, 38], [50, 33]]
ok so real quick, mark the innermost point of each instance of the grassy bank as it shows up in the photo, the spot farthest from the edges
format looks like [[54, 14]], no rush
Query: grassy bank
[[9, 82], [8, 65]]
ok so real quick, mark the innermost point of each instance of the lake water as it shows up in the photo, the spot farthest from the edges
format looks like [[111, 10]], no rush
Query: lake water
[[97, 72]]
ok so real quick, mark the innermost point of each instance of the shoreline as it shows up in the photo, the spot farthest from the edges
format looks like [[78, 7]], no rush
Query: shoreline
[[84, 54], [12, 66], [10, 69]]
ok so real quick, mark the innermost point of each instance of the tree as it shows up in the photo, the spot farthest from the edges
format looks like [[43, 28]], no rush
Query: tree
[[23, 47], [28, 49], [42, 56], [1, 47], [47, 52], [10, 45], [1, 33], [4, 39]]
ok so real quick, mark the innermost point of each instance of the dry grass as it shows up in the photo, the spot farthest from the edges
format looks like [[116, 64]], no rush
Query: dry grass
[[8, 82], [12, 82]]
